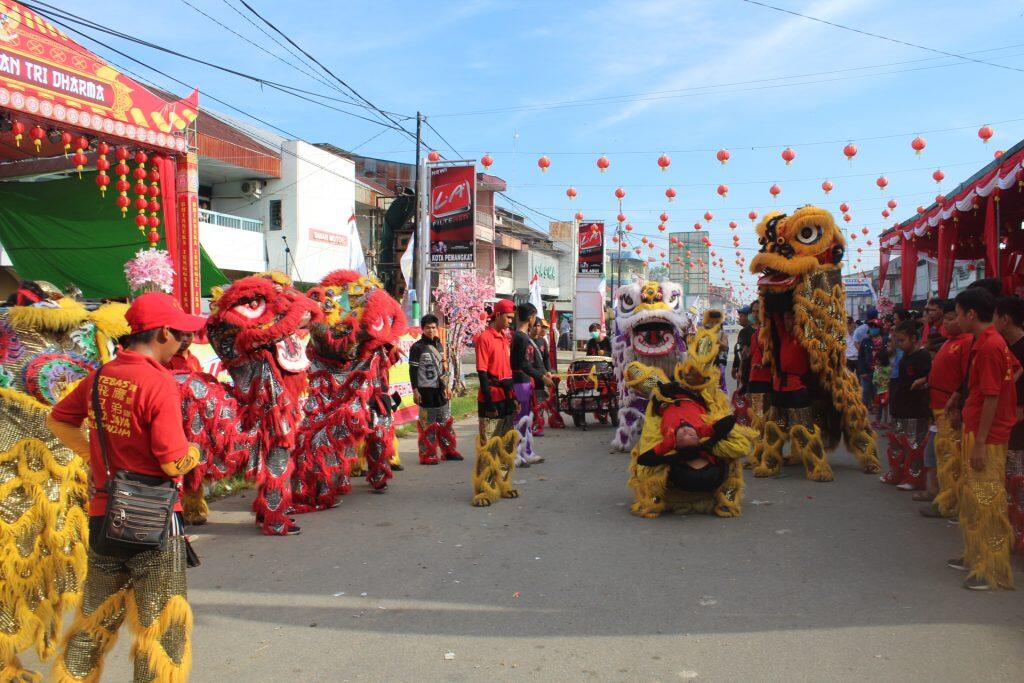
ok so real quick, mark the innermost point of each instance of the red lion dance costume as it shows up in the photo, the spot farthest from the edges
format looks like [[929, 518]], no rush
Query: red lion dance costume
[[348, 404], [254, 328]]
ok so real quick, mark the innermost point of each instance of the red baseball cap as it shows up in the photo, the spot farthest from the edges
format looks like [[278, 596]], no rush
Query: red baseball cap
[[156, 309], [503, 306]]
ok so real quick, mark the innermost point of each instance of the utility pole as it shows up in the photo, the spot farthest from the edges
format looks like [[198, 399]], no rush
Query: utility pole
[[417, 263], [422, 226]]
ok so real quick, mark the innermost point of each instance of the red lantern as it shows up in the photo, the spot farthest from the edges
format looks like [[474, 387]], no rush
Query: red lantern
[[850, 151], [853, 236], [882, 182], [661, 227], [37, 134], [918, 144], [844, 207], [788, 155], [847, 217], [629, 227], [673, 240], [664, 217], [603, 163], [637, 250], [697, 226], [619, 193], [985, 133], [920, 210], [870, 243], [662, 254], [865, 230], [65, 139], [141, 203], [579, 215], [940, 198], [891, 204], [752, 216], [713, 254], [670, 193], [689, 253], [827, 186], [571, 193], [708, 216], [664, 161], [938, 176], [723, 191], [140, 220], [434, 156], [998, 154], [644, 239], [486, 161], [775, 190], [615, 239], [18, 131], [723, 156], [621, 218], [885, 213], [544, 163], [732, 225]]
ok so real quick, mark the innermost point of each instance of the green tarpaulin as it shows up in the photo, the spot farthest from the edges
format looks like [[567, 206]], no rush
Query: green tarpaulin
[[65, 232]]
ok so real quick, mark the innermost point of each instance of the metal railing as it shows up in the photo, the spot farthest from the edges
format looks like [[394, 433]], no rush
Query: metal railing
[[224, 220]]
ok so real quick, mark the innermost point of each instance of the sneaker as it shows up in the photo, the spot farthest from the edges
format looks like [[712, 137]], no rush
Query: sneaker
[[957, 563], [522, 465], [906, 486], [536, 460], [976, 584]]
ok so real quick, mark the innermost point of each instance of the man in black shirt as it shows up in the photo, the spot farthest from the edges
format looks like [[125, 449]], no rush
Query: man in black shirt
[[599, 344], [525, 373], [741, 354], [428, 373]]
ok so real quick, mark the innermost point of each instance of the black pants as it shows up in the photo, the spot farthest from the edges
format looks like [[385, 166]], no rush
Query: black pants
[[685, 478]]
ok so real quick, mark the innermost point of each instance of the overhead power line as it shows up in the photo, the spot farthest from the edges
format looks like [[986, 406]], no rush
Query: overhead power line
[[879, 36]]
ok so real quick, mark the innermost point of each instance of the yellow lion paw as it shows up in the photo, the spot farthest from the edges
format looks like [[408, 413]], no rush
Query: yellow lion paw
[[762, 471], [821, 475], [511, 493], [727, 511], [480, 500], [645, 510]]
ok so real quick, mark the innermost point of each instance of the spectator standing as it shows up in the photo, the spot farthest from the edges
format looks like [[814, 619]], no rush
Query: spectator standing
[[759, 372], [564, 333], [851, 344], [431, 392], [143, 438], [599, 344], [989, 414], [525, 373], [908, 404], [539, 337], [932, 319], [741, 352], [866, 361]]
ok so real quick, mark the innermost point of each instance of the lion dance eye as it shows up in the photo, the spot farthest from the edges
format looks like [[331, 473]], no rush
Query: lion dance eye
[[809, 234]]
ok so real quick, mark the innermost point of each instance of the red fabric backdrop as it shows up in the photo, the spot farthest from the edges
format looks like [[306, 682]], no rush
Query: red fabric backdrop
[[908, 271]]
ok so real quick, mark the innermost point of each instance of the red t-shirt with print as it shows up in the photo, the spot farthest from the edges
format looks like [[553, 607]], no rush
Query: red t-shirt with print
[[949, 367], [992, 372], [141, 417], [493, 356]]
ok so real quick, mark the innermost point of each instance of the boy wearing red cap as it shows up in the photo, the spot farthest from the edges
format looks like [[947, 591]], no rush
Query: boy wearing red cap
[[140, 412], [496, 444]]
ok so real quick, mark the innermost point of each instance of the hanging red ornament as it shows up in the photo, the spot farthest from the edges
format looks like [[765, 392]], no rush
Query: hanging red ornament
[[723, 156], [664, 161], [865, 230], [603, 163], [615, 239], [882, 182], [629, 227], [850, 151], [844, 207], [891, 204], [708, 216], [985, 133], [102, 166], [670, 193], [662, 254], [486, 161], [853, 236], [847, 217], [37, 134], [661, 227], [664, 217], [775, 190], [140, 220], [673, 240], [434, 156], [788, 155], [620, 193], [65, 139], [697, 226], [579, 215], [723, 191], [621, 218], [827, 186], [752, 215], [544, 164], [870, 243], [18, 131], [885, 213], [920, 210], [918, 144], [571, 192], [998, 154], [644, 239], [732, 225], [938, 176], [637, 250], [940, 198]]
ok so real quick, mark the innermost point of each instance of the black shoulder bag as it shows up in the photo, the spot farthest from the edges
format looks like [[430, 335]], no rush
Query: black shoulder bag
[[140, 507]]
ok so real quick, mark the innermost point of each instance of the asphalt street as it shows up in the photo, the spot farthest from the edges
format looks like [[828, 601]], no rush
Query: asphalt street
[[839, 581]]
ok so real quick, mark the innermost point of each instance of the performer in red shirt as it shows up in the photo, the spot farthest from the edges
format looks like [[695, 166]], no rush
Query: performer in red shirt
[[496, 444], [140, 411], [183, 360], [949, 370], [989, 413]]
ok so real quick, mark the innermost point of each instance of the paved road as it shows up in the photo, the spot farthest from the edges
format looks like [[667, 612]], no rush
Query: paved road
[[841, 581]]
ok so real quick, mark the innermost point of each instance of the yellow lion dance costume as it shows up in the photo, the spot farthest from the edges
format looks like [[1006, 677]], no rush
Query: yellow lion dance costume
[[695, 379], [44, 350], [803, 308]]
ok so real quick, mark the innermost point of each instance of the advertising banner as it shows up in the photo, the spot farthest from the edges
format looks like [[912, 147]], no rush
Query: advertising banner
[[452, 217], [591, 251], [47, 75]]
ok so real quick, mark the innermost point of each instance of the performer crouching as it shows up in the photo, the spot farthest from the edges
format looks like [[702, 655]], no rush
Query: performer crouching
[[428, 371], [496, 443]]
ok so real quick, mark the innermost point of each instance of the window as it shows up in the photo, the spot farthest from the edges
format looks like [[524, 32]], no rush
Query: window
[[276, 222]]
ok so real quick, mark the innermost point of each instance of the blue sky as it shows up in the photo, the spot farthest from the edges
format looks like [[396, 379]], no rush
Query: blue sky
[[656, 74]]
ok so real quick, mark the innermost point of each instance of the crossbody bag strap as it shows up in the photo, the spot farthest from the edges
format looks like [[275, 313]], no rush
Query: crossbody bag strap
[[101, 433]]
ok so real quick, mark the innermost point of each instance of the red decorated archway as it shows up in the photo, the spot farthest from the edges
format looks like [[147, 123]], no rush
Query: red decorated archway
[[62, 107]]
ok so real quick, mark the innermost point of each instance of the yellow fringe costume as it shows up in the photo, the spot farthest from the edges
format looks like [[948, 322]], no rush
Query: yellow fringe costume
[[984, 522], [44, 350], [799, 262], [698, 373], [949, 464], [495, 461]]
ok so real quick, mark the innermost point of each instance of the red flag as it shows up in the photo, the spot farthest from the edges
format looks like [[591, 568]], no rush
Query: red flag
[[552, 349]]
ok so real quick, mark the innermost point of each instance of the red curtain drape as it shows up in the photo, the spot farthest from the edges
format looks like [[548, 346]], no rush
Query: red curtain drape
[[945, 259], [991, 239], [883, 269], [552, 347], [167, 169], [908, 270]]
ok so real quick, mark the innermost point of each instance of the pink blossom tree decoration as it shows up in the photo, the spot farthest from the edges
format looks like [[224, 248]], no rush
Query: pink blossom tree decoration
[[460, 300]]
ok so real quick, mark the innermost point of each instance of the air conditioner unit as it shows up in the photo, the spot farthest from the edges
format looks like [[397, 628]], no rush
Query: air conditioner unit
[[252, 188]]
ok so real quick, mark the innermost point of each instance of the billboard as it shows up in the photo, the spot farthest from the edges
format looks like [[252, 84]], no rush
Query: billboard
[[695, 279], [591, 248], [453, 217]]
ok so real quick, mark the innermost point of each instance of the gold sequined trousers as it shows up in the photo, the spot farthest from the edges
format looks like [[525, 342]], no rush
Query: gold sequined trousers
[[984, 522], [148, 589], [948, 464]]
